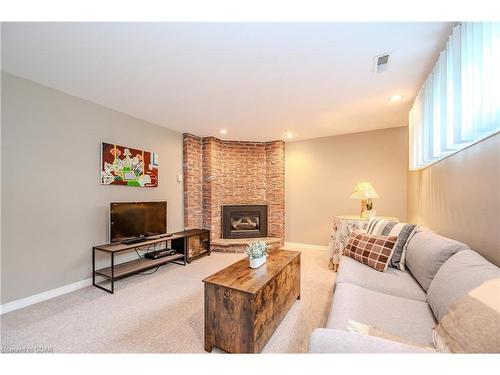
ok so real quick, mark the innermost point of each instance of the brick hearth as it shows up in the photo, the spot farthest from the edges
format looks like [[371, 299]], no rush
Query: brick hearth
[[219, 172], [239, 245]]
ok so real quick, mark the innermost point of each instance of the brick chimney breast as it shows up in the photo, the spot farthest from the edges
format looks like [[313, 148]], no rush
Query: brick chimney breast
[[218, 173]]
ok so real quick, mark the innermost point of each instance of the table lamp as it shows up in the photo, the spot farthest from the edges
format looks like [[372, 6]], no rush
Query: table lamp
[[365, 192]]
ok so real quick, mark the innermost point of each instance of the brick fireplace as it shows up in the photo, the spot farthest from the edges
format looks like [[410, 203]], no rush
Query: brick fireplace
[[220, 174]]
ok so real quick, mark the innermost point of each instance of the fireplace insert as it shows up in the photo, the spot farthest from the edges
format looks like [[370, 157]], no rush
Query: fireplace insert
[[244, 221]]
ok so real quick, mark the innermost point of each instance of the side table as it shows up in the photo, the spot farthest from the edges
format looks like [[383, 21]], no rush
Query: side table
[[342, 228]]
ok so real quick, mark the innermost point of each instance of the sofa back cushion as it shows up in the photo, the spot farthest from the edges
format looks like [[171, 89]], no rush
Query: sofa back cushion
[[374, 251], [463, 272], [426, 252]]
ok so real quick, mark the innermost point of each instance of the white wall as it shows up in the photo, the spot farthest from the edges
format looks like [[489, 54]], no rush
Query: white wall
[[321, 173], [53, 206], [459, 197]]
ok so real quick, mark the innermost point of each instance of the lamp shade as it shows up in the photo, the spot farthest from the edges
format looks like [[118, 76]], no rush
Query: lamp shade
[[364, 190]]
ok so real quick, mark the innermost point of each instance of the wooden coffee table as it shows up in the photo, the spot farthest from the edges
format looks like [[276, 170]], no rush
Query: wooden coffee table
[[243, 306]]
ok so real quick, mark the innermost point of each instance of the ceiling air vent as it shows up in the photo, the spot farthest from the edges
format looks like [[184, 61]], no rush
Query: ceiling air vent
[[381, 63]]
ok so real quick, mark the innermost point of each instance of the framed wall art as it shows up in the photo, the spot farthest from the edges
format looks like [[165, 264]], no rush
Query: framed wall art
[[128, 166]]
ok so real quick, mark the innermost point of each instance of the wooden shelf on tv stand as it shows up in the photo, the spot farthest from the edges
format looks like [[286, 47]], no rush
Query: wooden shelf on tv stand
[[187, 244], [118, 246], [137, 265]]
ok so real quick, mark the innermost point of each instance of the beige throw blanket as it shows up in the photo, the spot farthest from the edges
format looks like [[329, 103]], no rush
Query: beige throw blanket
[[472, 324]]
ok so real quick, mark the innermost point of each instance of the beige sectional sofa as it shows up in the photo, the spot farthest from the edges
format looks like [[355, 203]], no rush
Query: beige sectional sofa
[[408, 303]]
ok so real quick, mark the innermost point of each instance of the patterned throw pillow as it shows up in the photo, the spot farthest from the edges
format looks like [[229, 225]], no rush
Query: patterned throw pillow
[[372, 250], [402, 231]]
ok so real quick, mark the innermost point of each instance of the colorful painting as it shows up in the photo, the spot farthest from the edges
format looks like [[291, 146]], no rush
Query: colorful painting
[[128, 166]]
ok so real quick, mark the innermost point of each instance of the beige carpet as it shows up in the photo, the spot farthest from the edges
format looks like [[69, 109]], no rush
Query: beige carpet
[[160, 313]]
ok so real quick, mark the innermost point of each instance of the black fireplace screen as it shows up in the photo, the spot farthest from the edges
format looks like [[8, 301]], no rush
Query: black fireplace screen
[[244, 221]]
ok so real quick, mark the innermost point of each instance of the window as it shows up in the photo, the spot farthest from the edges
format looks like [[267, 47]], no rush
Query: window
[[459, 103]]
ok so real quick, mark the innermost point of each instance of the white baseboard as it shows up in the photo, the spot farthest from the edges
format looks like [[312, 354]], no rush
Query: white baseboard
[[306, 246], [40, 297]]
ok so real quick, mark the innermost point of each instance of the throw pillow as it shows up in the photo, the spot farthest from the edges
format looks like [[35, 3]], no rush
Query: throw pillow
[[372, 250], [472, 324], [403, 231]]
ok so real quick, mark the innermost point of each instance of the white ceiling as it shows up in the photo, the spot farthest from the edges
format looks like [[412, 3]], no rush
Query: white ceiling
[[256, 80]]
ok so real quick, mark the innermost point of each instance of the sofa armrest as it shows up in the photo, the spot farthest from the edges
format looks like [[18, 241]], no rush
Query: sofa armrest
[[324, 340]]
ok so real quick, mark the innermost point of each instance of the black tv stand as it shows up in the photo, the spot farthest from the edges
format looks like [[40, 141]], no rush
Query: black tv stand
[[188, 245], [121, 270]]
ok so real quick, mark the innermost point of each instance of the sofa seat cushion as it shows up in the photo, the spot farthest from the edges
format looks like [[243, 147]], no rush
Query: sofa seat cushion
[[463, 272], [393, 281], [426, 252], [407, 318], [337, 341]]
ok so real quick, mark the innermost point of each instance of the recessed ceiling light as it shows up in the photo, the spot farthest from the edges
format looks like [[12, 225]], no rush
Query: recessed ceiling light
[[288, 135], [223, 131], [395, 98]]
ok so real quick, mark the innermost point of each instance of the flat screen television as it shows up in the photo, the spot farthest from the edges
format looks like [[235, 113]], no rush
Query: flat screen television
[[137, 219]]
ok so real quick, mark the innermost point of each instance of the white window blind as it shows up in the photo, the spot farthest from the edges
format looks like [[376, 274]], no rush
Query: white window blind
[[459, 103]]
